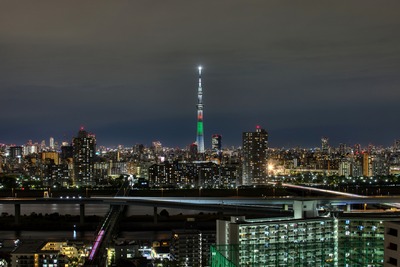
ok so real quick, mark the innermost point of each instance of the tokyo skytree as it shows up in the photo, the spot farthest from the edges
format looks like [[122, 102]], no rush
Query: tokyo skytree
[[200, 130]]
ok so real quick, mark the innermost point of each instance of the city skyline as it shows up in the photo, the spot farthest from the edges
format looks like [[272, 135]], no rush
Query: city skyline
[[323, 144], [127, 71]]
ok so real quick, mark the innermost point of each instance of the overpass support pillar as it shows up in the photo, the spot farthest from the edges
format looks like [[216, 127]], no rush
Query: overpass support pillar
[[155, 215], [17, 213], [348, 207], [285, 207], [82, 213]]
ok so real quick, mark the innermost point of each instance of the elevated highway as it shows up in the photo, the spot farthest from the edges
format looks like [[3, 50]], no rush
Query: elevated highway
[[203, 202], [257, 205], [263, 206]]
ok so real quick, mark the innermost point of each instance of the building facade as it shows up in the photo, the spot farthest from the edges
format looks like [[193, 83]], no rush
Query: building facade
[[360, 241], [255, 146], [275, 242], [191, 247], [392, 244], [84, 148], [216, 148]]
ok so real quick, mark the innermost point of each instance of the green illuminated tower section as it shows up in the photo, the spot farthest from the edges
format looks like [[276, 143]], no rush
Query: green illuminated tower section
[[200, 129]]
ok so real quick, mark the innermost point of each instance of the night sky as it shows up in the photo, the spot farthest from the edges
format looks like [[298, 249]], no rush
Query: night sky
[[127, 71]]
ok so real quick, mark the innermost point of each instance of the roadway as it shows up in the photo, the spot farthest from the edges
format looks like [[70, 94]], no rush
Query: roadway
[[219, 203], [204, 202]]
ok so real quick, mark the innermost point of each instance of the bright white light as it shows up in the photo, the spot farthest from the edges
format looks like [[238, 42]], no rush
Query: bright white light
[[200, 67]]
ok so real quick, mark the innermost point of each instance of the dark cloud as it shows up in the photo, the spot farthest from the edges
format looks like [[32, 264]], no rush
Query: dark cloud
[[127, 70]]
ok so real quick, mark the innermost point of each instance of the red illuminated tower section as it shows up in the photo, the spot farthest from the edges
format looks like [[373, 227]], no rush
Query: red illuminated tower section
[[200, 129]]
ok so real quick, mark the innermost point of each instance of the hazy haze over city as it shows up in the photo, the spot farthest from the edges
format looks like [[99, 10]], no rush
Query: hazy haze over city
[[127, 70]]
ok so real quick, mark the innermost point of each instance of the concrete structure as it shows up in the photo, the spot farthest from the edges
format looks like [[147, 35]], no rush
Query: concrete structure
[[341, 239], [345, 167], [126, 250], [392, 244], [191, 247], [255, 145], [360, 240], [302, 240], [276, 242], [325, 145], [38, 253], [84, 153], [216, 148]]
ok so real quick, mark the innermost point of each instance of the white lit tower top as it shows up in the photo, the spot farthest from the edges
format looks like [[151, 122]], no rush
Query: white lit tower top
[[200, 129]]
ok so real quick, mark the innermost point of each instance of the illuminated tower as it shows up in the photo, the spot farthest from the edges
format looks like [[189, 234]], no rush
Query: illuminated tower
[[200, 130]]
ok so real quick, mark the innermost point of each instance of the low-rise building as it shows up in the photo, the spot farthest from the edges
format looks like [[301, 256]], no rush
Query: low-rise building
[[38, 253]]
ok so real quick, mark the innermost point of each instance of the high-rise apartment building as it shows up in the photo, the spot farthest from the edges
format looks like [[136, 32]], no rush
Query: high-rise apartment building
[[67, 151], [51, 143], [392, 244], [306, 239], [325, 145], [216, 144], [30, 148], [367, 165], [216, 147], [84, 154], [345, 167], [396, 145], [255, 146], [284, 241], [16, 152], [360, 240], [191, 247]]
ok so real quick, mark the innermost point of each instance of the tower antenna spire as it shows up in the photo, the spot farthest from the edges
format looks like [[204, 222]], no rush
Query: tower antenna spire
[[200, 129]]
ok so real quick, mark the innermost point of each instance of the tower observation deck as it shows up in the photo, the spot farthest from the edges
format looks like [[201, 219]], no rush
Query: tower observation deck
[[200, 129]]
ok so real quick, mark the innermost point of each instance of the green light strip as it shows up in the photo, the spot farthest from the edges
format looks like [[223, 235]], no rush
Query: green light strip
[[200, 128]]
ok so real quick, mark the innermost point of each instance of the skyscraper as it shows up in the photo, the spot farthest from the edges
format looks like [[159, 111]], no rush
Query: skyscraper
[[396, 147], [216, 143], [200, 130], [51, 143], [325, 145], [255, 145], [216, 147], [84, 147]]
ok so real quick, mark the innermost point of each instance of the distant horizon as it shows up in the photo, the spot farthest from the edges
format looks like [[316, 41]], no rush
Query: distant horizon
[[289, 144]]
